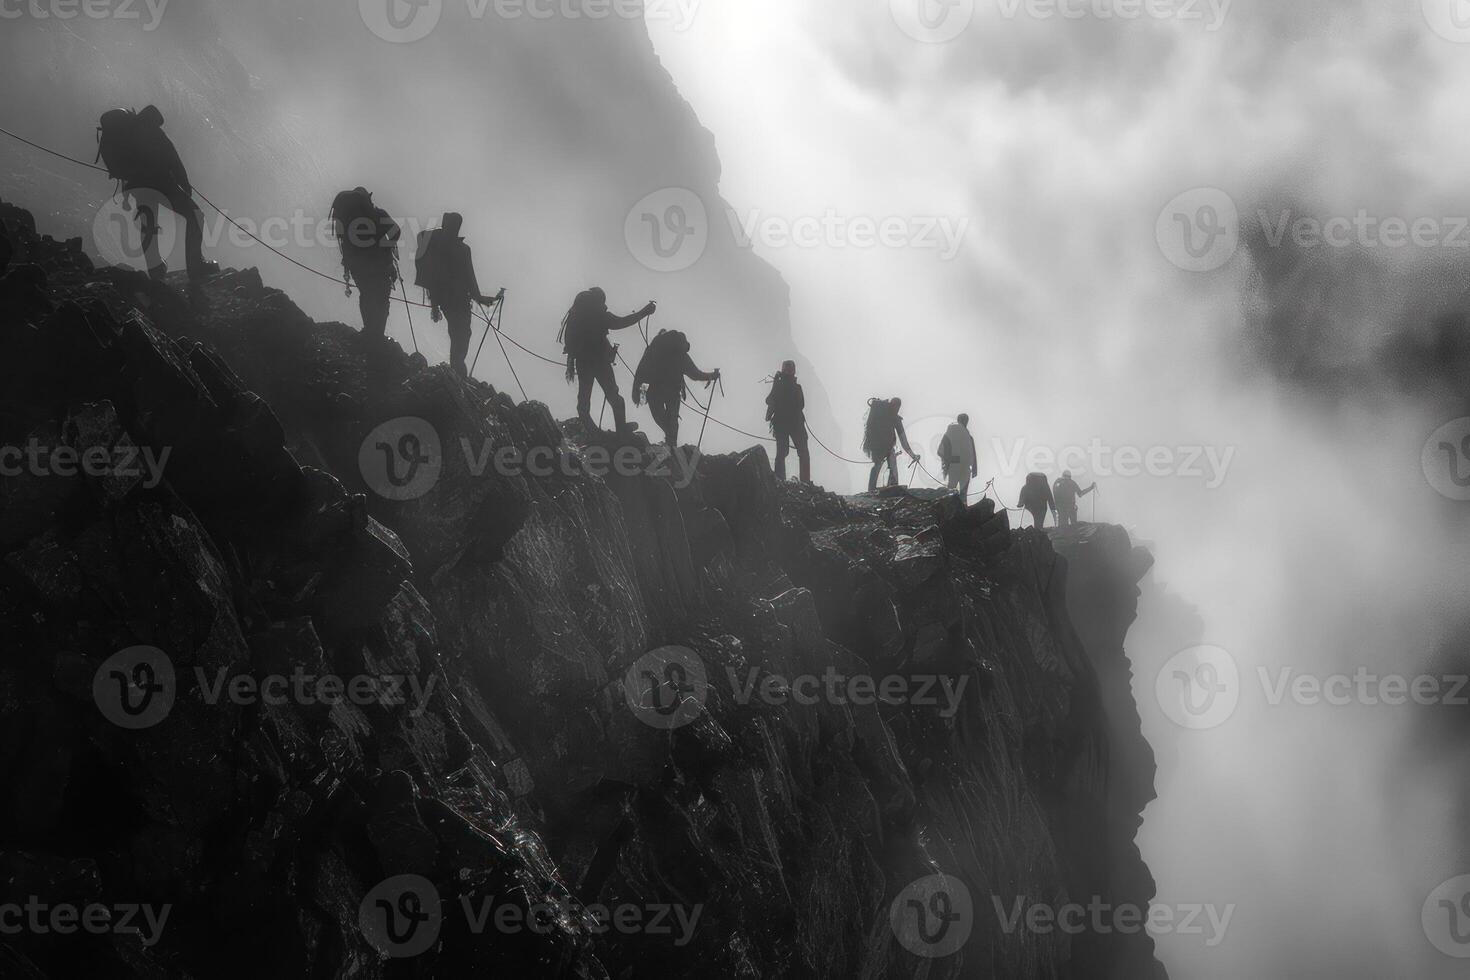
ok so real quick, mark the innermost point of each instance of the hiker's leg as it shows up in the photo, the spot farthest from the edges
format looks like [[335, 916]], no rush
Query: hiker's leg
[[194, 239], [373, 299], [148, 237], [659, 409], [672, 429], [459, 339], [607, 379], [873, 474], [893, 467], [803, 454], [783, 446], [586, 377]]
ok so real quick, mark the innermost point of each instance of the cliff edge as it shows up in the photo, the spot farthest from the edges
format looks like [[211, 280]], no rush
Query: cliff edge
[[321, 662]]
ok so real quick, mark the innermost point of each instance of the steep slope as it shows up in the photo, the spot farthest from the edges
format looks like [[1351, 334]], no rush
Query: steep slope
[[613, 722], [547, 133]]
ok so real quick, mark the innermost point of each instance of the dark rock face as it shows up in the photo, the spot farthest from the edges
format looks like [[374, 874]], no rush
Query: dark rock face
[[658, 719]]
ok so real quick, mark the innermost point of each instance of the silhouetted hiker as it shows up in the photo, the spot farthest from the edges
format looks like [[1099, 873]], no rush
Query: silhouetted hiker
[[1036, 497], [665, 365], [882, 434], [786, 411], [368, 238], [590, 354], [1066, 493], [445, 269], [958, 456], [136, 151]]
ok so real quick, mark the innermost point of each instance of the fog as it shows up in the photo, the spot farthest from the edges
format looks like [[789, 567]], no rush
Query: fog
[[1062, 321], [1031, 168]]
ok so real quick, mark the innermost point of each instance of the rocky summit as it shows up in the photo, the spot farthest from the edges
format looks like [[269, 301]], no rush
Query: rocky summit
[[321, 662]]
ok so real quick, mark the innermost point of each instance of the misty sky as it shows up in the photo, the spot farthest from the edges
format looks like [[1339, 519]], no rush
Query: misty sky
[[1034, 177], [1065, 317]]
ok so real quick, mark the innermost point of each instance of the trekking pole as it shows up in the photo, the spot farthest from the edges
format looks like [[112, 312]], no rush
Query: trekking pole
[[706, 407], [408, 309], [489, 325]]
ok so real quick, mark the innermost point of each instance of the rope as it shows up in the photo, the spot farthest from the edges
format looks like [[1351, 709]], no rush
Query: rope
[[489, 325], [403, 288], [708, 405], [410, 303], [855, 462], [80, 163]]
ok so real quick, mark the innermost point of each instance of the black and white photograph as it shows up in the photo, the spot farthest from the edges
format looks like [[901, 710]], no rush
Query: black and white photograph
[[735, 489]]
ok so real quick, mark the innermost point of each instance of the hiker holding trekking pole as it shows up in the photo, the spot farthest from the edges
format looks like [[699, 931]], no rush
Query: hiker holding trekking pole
[[590, 354], [445, 270]]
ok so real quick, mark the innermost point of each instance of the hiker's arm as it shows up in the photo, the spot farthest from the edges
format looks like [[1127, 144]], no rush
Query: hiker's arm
[[176, 165], [1088, 490], [974, 458], [903, 440], [470, 278], [624, 322], [391, 231], [695, 374]]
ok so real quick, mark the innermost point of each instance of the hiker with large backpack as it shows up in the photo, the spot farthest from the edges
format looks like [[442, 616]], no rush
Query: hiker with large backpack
[[136, 151], [445, 270], [590, 355], [882, 435], [1066, 493], [786, 411], [368, 238], [664, 367], [1036, 497], [958, 457]]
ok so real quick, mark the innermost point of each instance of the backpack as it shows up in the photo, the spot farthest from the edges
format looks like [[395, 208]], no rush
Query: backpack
[[117, 143], [359, 225], [662, 362], [433, 271], [880, 430], [1035, 490], [579, 328]]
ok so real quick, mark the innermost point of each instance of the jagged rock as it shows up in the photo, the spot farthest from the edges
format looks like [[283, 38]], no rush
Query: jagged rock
[[509, 607]]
